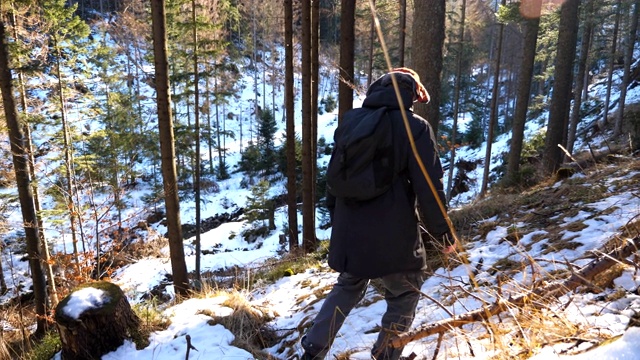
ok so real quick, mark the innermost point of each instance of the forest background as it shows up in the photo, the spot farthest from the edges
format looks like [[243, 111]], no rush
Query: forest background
[[81, 74]]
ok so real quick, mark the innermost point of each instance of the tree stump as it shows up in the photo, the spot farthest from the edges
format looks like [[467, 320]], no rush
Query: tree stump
[[93, 320]]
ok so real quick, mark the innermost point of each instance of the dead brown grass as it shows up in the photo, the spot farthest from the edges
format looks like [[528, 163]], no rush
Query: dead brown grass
[[4, 349], [467, 218], [516, 334], [632, 228], [18, 318], [249, 325]]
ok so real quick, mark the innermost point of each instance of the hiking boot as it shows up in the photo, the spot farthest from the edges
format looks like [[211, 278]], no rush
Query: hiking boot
[[312, 351], [411, 356], [308, 356]]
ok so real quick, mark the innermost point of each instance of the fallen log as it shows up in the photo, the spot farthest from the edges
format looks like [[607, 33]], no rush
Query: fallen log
[[554, 289]]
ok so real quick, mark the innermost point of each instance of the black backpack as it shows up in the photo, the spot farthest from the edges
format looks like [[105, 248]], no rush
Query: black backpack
[[362, 162]]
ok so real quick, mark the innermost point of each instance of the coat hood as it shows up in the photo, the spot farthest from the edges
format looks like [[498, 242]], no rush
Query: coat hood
[[382, 93]]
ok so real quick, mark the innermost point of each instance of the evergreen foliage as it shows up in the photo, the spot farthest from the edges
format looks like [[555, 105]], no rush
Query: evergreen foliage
[[281, 163], [258, 203], [259, 207], [329, 103], [267, 128], [474, 136], [250, 161]]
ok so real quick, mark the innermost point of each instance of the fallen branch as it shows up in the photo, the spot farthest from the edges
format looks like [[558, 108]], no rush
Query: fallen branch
[[555, 289]]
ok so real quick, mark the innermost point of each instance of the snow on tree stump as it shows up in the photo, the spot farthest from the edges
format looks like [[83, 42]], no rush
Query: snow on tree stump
[[93, 320]]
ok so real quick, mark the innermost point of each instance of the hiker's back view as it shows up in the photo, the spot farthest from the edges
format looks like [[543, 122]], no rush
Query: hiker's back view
[[379, 237]]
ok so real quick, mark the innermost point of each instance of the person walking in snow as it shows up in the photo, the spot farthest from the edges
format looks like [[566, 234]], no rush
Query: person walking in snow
[[381, 237]]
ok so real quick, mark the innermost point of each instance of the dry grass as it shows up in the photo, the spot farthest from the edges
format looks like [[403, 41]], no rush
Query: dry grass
[[4, 350], [632, 228], [267, 272], [18, 318], [151, 320], [467, 218], [249, 325], [519, 331]]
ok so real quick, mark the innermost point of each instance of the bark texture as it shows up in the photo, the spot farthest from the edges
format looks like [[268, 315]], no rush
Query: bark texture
[[167, 148], [97, 330], [292, 194], [426, 55], [347, 33], [562, 86], [23, 183], [531, 27]]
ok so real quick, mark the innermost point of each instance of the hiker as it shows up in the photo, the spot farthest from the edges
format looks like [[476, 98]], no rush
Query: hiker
[[380, 237]]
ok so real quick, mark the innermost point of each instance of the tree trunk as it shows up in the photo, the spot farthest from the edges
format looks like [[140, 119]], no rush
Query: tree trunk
[[372, 34], [628, 58], [561, 95], [292, 198], [426, 56], [531, 27], [167, 149], [99, 328], [3, 282], [493, 112], [315, 82], [456, 100], [196, 112], [23, 183], [403, 32], [580, 77], [209, 134], [612, 60], [347, 31], [53, 293], [308, 211], [222, 171], [68, 165]]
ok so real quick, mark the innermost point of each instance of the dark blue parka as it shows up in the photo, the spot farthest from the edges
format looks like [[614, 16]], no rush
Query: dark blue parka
[[381, 236]]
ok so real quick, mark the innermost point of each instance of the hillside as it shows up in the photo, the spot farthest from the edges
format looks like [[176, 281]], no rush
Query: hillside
[[257, 297], [514, 243]]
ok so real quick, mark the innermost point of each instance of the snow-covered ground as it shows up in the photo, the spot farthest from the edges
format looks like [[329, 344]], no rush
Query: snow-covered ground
[[293, 300]]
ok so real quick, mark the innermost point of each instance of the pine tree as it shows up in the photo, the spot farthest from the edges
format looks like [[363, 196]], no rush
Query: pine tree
[[347, 46], [65, 32], [308, 158], [178, 265], [258, 209], [267, 128], [289, 146], [258, 204], [427, 54], [493, 117], [456, 96], [23, 40], [21, 169], [580, 87], [531, 21], [628, 59], [562, 86]]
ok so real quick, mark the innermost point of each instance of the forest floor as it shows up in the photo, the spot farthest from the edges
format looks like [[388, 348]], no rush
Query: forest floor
[[514, 242]]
